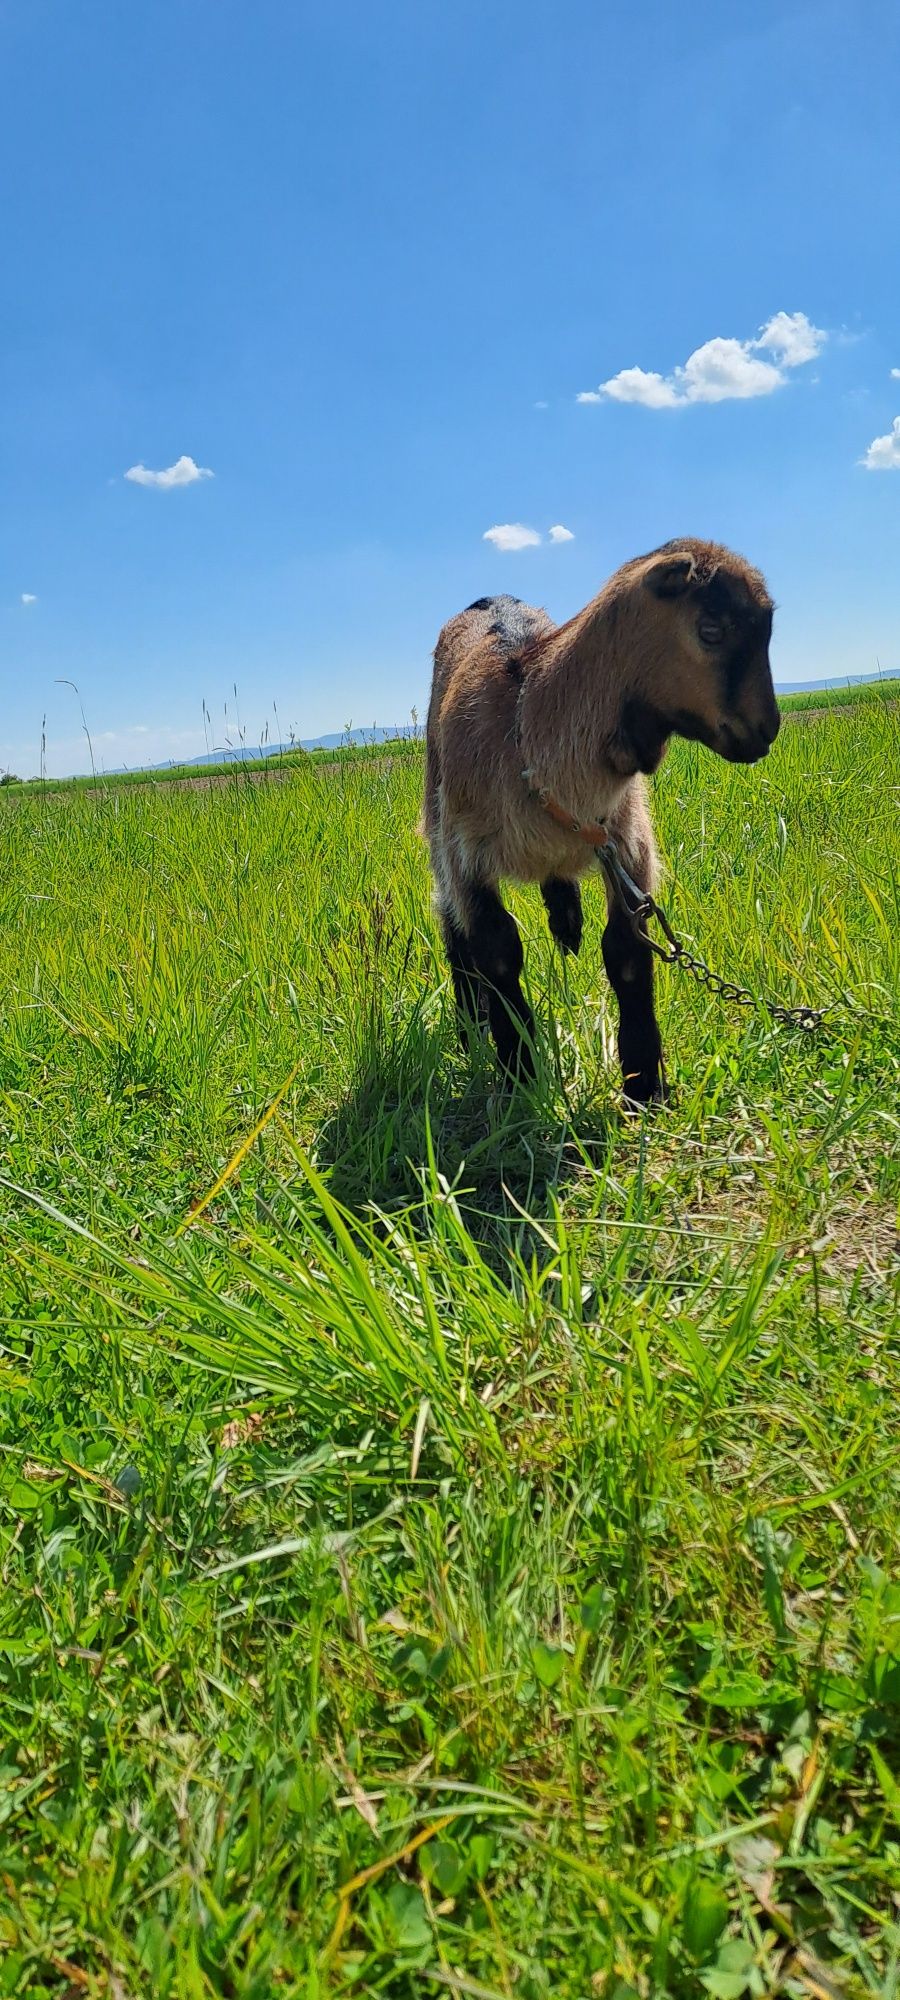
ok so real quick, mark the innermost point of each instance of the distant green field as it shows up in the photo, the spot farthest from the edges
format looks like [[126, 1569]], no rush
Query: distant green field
[[235, 769], [855, 692], [464, 1559]]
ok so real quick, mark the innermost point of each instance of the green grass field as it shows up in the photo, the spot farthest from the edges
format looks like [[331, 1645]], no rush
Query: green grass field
[[463, 1558]]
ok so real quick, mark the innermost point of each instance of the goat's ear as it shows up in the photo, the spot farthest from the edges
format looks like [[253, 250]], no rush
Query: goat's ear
[[671, 576]]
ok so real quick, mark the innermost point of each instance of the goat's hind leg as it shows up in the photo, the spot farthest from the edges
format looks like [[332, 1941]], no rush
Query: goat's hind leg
[[492, 936], [450, 907], [485, 954], [487, 963], [471, 1003]]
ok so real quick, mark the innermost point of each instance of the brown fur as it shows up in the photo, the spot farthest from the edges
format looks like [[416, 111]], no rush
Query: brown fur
[[587, 708]]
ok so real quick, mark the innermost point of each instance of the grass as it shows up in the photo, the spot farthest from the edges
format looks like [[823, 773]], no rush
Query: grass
[[461, 1555]]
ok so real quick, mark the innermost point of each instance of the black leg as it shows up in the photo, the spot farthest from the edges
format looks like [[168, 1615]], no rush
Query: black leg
[[466, 984], [562, 901], [629, 967], [496, 949]]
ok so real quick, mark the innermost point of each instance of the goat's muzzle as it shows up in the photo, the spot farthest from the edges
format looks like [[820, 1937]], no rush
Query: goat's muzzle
[[742, 742]]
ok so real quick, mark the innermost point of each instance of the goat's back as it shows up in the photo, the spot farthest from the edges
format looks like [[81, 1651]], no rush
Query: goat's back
[[470, 648], [509, 623]]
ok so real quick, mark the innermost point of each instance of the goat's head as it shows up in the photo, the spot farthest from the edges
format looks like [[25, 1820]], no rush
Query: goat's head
[[706, 672]]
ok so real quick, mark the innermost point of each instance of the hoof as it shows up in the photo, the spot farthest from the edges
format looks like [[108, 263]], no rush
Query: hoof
[[643, 1093], [567, 931], [517, 1068]]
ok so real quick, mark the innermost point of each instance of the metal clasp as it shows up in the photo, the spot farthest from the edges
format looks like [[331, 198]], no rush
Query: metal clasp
[[638, 904]]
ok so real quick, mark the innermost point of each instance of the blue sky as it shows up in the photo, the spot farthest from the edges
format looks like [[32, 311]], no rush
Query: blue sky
[[358, 264]]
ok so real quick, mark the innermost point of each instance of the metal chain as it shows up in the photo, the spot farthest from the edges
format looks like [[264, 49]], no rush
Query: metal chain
[[640, 907]]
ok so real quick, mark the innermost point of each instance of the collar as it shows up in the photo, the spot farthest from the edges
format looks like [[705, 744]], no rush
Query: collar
[[592, 832]]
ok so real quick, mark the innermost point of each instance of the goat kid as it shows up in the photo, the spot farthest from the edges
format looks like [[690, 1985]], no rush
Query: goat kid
[[535, 730]]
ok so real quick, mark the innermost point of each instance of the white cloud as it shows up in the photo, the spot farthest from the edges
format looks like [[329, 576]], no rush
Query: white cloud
[[725, 370], [883, 454], [512, 536], [28, 597], [720, 370], [635, 385], [792, 338], [561, 534], [895, 374], [182, 473], [542, 406]]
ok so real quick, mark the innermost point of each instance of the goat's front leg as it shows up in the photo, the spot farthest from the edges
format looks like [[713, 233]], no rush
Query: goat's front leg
[[562, 902], [493, 940], [629, 968]]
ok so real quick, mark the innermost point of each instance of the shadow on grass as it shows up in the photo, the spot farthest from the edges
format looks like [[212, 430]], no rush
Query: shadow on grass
[[418, 1102]]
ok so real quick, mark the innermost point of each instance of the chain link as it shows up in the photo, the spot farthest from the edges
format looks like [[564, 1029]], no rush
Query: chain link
[[640, 907]]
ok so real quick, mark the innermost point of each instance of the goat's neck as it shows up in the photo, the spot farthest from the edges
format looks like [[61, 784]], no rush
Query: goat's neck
[[585, 725]]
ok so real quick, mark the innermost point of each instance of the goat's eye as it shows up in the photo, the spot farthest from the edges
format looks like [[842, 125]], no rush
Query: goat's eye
[[710, 632]]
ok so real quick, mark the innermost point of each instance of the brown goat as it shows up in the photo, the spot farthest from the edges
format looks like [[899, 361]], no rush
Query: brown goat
[[676, 643]]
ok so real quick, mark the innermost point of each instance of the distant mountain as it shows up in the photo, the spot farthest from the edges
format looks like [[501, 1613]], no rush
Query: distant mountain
[[839, 681], [245, 753]]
